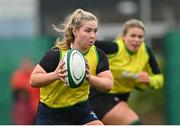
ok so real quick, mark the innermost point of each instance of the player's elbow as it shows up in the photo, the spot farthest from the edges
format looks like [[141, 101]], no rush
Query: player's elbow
[[109, 85], [32, 82]]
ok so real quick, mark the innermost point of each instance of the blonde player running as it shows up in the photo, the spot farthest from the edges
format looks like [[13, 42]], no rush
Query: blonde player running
[[133, 66], [60, 104]]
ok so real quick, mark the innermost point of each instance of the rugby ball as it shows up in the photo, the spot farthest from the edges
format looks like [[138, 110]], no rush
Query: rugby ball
[[76, 68]]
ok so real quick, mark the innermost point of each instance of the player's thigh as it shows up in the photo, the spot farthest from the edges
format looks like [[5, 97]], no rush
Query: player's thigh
[[120, 114]]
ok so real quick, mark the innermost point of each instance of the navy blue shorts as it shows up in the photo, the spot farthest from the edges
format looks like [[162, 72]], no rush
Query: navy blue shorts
[[102, 103], [78, 114]]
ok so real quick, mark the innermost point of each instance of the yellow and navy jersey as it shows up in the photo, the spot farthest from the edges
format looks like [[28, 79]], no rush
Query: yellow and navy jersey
[[59, 95], [125, 65]]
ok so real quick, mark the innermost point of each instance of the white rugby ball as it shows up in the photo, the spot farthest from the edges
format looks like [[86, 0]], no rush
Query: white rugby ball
[[76, 68]]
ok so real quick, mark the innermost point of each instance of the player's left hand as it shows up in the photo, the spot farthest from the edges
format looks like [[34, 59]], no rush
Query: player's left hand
[[143, 77]]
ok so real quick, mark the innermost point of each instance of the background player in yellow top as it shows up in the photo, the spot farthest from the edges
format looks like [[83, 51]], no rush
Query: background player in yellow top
[[133, 66], [60, 104]]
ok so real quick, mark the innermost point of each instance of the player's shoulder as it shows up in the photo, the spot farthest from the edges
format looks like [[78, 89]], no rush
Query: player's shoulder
[[101, 55], [54, 51], [52, 54], [99, 51], [148, 49]]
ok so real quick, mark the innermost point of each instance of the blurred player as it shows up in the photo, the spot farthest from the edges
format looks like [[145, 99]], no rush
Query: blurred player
[[133, 66], [26, 98]]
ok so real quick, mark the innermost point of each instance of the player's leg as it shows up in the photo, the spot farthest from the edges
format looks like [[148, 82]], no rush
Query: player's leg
[[102, 103], [120, 114], [89, 117]]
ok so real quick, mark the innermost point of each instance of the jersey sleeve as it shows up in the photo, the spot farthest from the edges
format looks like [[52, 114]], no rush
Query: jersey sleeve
[[50, 60], [109, 47], [103, 63], [156, 77]]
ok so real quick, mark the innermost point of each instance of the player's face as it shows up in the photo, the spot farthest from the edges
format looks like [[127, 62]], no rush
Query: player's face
[[86, 35], [133, 38]]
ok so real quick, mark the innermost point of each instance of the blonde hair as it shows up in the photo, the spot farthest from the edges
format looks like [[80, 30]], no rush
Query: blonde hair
[[75, 20], [129, 24]]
